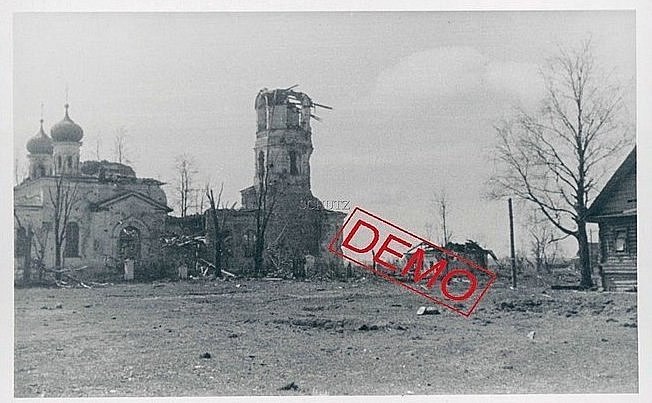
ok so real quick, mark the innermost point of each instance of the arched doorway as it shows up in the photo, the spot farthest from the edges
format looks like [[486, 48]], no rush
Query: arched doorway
[[129, 243]]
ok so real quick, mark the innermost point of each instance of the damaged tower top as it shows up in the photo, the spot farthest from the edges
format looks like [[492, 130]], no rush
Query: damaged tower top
[[283, 142], [285, 109]]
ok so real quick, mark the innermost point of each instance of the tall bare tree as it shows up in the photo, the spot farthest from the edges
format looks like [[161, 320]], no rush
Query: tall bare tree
[[41, 243], [267, 197], [219, 228], [554, 158], [33, 240], [441, 204], [24, 246], [185, 172], [119, 145], [63, 197]]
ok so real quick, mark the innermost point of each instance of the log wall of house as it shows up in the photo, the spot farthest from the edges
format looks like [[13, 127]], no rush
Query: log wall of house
[[619, 267]]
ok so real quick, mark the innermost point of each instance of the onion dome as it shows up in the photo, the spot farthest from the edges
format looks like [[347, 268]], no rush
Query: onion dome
[[66, 130], [41, 143]]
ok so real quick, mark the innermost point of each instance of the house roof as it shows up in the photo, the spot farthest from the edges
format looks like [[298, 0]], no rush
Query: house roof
[[131, 193], [627, 166]]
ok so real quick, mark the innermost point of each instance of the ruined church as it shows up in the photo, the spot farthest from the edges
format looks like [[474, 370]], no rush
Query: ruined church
[[95, 215], [297, 237], [90, 214]]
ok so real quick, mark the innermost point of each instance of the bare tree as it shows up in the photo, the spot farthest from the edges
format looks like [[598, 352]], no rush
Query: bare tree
[[25, 246], [553, 158], [267, 197], [63, 197], [219, 228], [119, 145], [41, 243], [440, 205], [33, 240], [201, 197], [185, 178], [544, 240]]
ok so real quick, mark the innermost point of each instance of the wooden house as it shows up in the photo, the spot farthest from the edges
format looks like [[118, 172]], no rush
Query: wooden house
[[615, 212]]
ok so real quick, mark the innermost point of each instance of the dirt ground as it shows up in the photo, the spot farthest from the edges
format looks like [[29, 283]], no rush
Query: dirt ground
[[317, 338]]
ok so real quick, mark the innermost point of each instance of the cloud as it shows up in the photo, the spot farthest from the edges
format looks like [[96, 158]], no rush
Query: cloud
[[452, 74]]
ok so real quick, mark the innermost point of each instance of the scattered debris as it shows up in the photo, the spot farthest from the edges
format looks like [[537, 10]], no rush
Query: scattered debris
[[289, 386], [399, 327], [507, 367], [630, 325], [228, 273], [531, 335], [366, 328], [566, 287], [612, 320], [427, 310], [59, 306], [211, 265], [63, 273], [184, 240], [205, 355]]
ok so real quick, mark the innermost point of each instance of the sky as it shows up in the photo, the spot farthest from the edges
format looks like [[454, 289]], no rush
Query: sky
[[415, 96]]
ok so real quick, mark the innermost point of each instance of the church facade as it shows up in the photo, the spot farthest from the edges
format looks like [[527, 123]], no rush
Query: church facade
[[100, 211]]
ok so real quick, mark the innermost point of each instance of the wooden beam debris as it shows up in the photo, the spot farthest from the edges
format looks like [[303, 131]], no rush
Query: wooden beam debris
[[207, 263]]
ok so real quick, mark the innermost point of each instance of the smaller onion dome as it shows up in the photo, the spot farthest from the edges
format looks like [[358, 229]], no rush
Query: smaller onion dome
[[66, 130], [41, 143]]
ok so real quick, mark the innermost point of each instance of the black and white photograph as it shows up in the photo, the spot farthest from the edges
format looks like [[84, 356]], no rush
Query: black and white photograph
[[325, 203]]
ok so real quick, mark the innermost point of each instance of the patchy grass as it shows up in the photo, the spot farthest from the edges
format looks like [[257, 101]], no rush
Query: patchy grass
[[320, 338]]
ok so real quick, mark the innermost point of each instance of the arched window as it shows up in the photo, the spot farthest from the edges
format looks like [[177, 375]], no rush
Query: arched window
[[72, 240], [261, 165], [294, 169], [40, 171], [69, 162], [58, 168]]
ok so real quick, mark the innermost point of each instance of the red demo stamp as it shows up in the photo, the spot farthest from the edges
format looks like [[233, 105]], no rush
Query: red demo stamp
[[399, 256]]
